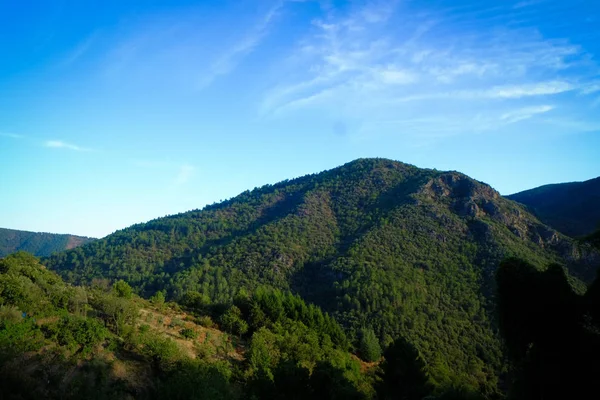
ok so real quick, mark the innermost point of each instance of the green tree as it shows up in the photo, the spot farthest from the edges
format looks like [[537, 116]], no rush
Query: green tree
[[122, 289], [369, 347], [158, 299], [232, 321]]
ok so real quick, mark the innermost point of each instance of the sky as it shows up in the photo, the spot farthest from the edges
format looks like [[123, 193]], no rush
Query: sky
[[118, 112]]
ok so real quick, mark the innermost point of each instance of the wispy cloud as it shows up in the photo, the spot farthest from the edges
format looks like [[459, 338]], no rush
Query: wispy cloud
[[591, 88], [229, 59], [11, 135], [423, 68], [59, 144], [186, 48], [525, 113], [528, 3], [185, 173], [79, 51]]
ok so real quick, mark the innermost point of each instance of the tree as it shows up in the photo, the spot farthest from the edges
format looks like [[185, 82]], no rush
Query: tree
[[403, 373], [122, 289], [115, 311], [369, 347], [158, 299], [232, 321]]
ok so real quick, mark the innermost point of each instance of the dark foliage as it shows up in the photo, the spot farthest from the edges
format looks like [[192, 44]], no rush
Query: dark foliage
[[552, 333]]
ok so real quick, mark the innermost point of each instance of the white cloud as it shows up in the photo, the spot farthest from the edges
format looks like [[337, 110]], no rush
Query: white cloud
[[186, 172], [58, 144], [423, 68], [394, 76], [535, 89], [525, 113]]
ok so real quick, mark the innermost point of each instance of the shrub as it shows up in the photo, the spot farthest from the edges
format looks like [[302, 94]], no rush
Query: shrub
[[77, 332], [205, 321], [188, 333]]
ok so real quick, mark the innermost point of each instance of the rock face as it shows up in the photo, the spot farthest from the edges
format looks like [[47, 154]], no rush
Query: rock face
[[479, 202]]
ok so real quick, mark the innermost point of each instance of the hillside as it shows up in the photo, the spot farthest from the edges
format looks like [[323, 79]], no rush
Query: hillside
[[67, 342], [37, 243], [572, 208], [379, 244]]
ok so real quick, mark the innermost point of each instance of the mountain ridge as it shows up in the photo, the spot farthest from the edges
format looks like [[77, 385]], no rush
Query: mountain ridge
[[40, 244], [570, 207], [377, 243]]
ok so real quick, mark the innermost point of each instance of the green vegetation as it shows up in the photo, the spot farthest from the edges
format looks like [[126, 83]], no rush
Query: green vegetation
[[369, 348], [403, 251], [60, 341], [39, 244], [93, 342], [572, 208]]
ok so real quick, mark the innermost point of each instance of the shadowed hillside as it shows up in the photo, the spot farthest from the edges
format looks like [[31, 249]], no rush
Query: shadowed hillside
[[39, 244], [572, 208]]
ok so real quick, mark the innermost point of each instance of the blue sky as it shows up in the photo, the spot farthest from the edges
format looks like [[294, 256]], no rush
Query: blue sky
[[117, 112]]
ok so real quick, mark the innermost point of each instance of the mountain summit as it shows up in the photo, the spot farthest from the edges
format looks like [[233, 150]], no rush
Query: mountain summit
[[380, 244]]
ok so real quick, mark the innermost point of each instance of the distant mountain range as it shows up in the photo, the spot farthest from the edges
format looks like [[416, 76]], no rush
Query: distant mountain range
[[572, 208], [379, 244], [37, 243]]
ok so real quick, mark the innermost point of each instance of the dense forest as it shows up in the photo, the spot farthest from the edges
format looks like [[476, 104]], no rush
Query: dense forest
[[572, 208], [386, 249], [102, 341], [39, 244]]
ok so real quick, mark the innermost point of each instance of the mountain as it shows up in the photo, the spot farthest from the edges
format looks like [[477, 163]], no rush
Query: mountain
[[381, 245], [572, 208], [39, 244]]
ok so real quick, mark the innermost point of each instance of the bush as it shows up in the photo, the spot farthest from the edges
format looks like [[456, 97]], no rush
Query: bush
[[77, 332], [176, 322], [205, 321], [161, 351], [19, 337], [188, 333], [10, 314]]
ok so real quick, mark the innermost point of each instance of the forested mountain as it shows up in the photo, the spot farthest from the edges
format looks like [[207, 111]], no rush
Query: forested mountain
[[572, 208], [383, 246], [37, 243]]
